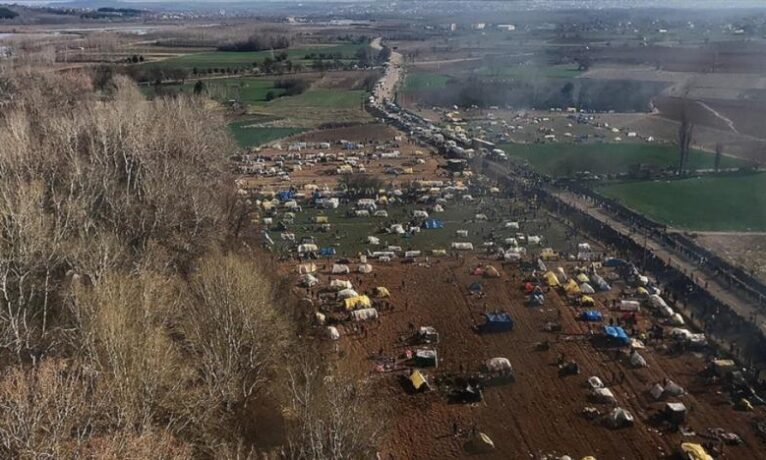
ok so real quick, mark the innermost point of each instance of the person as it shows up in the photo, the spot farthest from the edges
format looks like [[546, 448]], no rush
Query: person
[[455, 429]]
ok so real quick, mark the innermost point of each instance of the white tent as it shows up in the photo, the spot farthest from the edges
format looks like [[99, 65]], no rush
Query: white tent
[[340, 268], [657, 391], [462, 246], [677, 320], [364, 314], [499, 365], [636, 360], [332, 333], [586, 288], [307, 268], [373, 240], [673, 389], [346, 293], [365, 268], [340, 284], [308, 280], [604, 395], [595, 382]]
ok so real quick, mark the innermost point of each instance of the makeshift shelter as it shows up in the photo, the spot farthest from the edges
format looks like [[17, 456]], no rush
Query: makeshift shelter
[[498, 321], [418, 381], [439, 252], [426, 357], [619, 418], [340, 284], [382, 292], [595, 382], [500, 366], [491, 272], [582, 278], [536, 299], [693, 451], [365, 314], [629, 305], [673, 389], [675, 412], [561, 275], [304, 269], [427, 334], [617, 334], [636, 360], [373, 240], [677, 320], [600, 283], [462, 246], [364, 268], [572, 288], [358, 302], [604, 395], [545, 254], [433, 224], [475, 287], [319, 318], [551, 279], [587, 301], [340, 269], [586, 288], [657, 391], [347, 294], [327, 252], [591, 315], [332, 333], [308, 280], [321, 219]]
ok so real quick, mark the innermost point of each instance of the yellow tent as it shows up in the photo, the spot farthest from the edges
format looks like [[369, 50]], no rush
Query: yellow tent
[[583, 278], [360, 301], [304, 269], [382, 292], [551, 280], [587, 300], [321, 219], [548, 254], [642, 291], [693, 451], [572, 288], [418, 381]]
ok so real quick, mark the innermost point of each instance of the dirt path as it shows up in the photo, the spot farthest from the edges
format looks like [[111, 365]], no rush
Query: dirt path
[[726, 120], [386, 87]]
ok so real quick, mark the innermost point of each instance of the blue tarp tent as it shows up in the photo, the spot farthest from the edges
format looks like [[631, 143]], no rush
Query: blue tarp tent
[[286, 195], [498, 321], [591, 315], [432, 224], [617, 333], [475, 287], [326, 251]]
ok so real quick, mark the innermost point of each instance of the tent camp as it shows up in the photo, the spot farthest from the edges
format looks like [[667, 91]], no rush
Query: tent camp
[[617, 334], [364, 314], [498, 321], [358, 302]]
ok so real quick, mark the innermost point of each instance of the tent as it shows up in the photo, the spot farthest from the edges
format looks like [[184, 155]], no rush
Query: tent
[[619, 417], [306, 248], [347, 294], [572, 288], [604, 395], [304, 269], [364, 268], [498, 321], [600, 283], [677, 320], [561, 275], [582, 278], [462, 246], [373, 240], [587, 301], [365, 314], [327, 252], [586, 288], [321, 219], [693, 451], [594, 382], [591, 315], [673, 389], [332, 333], [551, 279], [426, 357], [612, 262], [340, 284], [491, 272], [418, 381], [308, 280], [433, 224], [537, 299], [636, 360], [499, 366], [617, 333], [320, 318], [382, 292], [285, 195], [340, 268], [675, 412], [358, 302], [475, 287], [657, 391], [439, 252]]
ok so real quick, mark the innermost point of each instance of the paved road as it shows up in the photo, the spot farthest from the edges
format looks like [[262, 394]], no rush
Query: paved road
[[716, 286]]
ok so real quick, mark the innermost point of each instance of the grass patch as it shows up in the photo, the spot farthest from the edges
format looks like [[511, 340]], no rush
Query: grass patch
[[425, 81], [247, 136], [322, 98], [562, 159], [226, 59], [530, 71], [730, 203]]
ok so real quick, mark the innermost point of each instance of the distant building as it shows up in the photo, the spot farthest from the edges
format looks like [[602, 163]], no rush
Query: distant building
[[506, 27]]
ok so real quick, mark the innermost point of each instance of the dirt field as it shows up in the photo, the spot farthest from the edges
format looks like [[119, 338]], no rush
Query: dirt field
[[747, 250]]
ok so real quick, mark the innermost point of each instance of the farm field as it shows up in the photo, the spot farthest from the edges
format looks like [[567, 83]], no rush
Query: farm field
[[247, 136], [563, 159], [217, 59], [735, 203], [425, 81], [530, 71]]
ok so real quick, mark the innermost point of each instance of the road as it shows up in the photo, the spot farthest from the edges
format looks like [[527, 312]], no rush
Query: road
[[713, 285], [726, 120], [385, 90]]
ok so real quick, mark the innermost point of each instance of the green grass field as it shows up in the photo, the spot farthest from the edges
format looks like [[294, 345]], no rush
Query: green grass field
[[224, 59], [322, 98], [731, 203], [530, 71], [562, 159], [250, 90], [425, 81], [253, 137]]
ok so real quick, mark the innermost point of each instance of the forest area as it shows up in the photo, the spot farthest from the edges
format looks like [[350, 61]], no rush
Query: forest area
[[137, 320]]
